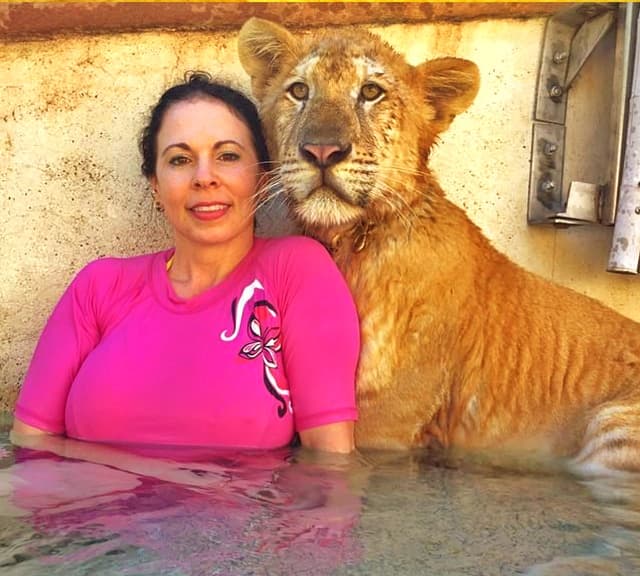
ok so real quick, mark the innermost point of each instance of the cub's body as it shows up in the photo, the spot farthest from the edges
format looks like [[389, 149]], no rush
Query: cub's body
[[460, 346]]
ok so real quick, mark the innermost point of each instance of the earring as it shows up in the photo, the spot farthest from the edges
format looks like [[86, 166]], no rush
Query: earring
[[158, 206]]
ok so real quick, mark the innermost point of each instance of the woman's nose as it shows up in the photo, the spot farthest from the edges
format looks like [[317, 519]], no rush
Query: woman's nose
[[205, 174]]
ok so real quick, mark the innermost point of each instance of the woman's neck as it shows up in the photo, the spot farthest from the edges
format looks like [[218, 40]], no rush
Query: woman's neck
[[195, 269]]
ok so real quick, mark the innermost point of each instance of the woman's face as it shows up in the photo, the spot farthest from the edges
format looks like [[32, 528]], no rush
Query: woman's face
[[206, 174]]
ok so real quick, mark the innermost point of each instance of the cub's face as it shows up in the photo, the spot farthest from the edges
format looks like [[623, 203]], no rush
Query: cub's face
[[350, 122]]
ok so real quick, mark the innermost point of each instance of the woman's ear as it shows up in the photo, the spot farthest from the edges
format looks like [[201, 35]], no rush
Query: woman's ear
[[153, 182]]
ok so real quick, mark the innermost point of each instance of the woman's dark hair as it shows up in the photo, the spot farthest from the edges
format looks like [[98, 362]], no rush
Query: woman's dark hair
[[200, 84]]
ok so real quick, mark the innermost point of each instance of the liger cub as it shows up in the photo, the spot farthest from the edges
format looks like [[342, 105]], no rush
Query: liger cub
[[461, 348]]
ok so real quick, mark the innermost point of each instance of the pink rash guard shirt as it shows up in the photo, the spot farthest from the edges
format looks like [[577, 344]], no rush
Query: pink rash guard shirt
[[270, 350]]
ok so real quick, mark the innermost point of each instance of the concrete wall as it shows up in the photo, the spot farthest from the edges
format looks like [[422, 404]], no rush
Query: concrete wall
[[71, 109]]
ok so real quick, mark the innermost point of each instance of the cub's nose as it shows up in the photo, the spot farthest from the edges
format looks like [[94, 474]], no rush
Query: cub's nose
[[324, 155]]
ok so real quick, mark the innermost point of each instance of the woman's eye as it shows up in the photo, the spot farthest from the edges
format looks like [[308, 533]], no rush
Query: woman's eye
[[299, 91], [178, 160], [371, 91], [229, 156]]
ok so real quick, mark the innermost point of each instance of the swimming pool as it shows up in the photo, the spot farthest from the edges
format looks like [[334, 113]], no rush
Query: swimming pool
[[292, 513]]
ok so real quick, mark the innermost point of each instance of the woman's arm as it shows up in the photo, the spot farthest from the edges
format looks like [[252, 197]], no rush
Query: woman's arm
[[337, 437], [32, 438], [71, 332], [20, 428], [321, 344]]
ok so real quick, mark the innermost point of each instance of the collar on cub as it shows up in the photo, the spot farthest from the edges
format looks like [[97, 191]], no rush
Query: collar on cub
[[358, 236]]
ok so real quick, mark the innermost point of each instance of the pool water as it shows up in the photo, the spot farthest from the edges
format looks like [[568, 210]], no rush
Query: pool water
[[287, 512]]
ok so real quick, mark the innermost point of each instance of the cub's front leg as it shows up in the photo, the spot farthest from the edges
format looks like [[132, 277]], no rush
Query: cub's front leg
[[400, 405]]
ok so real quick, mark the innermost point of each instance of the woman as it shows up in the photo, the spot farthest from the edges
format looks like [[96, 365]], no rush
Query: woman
[[225, 340]]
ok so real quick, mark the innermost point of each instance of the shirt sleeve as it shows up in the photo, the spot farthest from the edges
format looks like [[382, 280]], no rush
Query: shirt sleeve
[[321, 338], [71, 332]]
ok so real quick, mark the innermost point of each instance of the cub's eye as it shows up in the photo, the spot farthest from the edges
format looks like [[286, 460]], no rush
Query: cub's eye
[[371, 91], [299, 91]]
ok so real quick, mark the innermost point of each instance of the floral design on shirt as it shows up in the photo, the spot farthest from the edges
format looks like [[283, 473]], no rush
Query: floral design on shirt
[[265, 342], [263, 330]]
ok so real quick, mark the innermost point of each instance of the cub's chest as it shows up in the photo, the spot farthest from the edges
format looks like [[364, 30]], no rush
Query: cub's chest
[[379, 300]]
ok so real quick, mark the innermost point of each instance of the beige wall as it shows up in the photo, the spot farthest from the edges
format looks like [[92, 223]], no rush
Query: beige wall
[[71, 110]]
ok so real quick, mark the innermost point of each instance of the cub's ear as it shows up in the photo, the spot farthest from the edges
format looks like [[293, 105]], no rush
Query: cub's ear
[[450, 85], [263, 46]]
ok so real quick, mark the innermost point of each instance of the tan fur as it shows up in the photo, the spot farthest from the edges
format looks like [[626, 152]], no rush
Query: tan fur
[[460, 346]]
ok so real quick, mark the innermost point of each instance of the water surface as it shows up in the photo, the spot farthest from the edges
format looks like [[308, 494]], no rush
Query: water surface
[[285, 512]]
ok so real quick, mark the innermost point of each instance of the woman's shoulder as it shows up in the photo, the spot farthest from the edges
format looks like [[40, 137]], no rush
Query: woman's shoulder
[[296, 247], [298, 259], [110, 272], [110, 265]]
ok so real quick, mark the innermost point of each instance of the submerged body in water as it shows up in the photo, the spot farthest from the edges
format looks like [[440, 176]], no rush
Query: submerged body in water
[[200, 512]]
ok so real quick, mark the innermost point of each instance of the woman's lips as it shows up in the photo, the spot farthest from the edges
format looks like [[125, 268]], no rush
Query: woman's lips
[[209, 211]]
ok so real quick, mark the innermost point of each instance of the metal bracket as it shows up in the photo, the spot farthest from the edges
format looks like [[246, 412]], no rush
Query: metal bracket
[[570, 38]]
